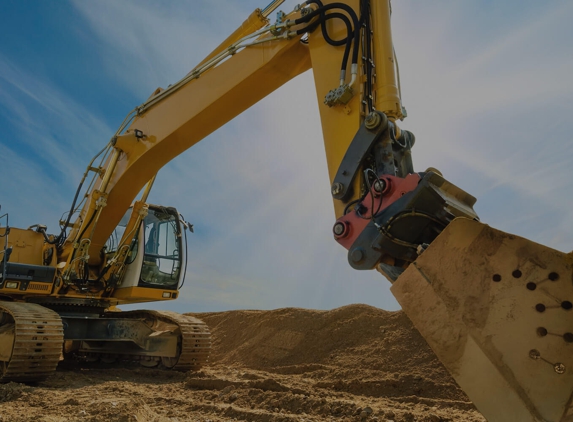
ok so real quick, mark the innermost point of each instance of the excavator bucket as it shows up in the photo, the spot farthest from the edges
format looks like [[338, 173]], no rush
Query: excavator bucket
[[497, 311]]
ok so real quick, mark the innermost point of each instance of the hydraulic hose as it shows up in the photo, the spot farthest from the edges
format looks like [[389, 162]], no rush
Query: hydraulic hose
[[352, 35], [347, 40]]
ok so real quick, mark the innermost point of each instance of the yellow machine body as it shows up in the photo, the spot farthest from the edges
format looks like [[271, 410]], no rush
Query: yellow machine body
[[495, 308]]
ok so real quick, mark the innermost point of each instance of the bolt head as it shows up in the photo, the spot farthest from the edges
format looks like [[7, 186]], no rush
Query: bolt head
[[337, 188], [372, 120], [379, 185], [357, 255], [339, 228]]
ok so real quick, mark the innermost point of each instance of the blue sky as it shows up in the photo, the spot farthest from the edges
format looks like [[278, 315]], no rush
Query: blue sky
[[487, 85]]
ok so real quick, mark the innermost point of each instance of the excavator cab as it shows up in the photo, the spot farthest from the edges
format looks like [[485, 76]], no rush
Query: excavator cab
[[157, 254], [161, 249]]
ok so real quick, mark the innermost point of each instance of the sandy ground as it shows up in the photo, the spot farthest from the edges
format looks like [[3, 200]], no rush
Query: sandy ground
[[355, 363]]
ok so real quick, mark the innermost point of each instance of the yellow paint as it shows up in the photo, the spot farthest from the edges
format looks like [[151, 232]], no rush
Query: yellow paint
[[338, 125], [142, 294], [34, 288], [175, 122], [385, 85], [254, 22], [180, 121], [26, 246]]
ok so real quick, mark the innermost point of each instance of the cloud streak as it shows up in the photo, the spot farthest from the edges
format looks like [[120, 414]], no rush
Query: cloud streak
[[492, 109], [51, 136]]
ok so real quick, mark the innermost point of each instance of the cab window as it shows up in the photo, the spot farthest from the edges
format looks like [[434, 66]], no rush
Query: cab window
[[162, 257]]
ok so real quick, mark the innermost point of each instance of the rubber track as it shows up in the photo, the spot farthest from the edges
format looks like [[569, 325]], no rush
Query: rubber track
[[195, 342], [38, 340]]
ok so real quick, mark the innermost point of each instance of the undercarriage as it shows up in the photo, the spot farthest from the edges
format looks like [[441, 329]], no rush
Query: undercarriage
[[35, 337]]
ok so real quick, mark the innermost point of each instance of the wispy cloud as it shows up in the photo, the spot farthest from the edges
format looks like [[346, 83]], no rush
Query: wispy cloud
[[488, 97], [258, 188], [491, 110], [158, 42], [51, 137], [26, 193]]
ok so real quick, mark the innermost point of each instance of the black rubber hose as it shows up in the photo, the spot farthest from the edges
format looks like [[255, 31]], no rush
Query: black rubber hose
[[356, 44], [330, 6], [87, 225], [62, 236], [323, 9], [347, 40], [329, 40], [323, 18], [312, 26]]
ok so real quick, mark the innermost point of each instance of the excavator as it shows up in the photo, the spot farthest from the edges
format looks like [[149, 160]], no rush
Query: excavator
[[495, 308]]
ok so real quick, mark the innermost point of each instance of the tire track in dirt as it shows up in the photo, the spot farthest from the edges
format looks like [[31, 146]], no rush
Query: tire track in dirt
[[355, 363]]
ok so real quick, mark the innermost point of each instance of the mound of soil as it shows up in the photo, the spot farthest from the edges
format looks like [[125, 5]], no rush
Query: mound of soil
[[358, 349], [355, 363]]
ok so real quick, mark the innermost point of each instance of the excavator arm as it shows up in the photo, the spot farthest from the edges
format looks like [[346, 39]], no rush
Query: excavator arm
[[495, 308], [385, 211]]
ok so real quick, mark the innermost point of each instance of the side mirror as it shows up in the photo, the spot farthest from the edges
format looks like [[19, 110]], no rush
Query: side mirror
[[186, 224]]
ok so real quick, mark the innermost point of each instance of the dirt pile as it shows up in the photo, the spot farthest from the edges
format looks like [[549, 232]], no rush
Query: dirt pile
[[355, 363], [356, 348], [352, 363]]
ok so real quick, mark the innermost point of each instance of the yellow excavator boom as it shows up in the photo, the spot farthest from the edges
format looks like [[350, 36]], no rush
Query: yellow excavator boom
[[226, 83], [496, 308]]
